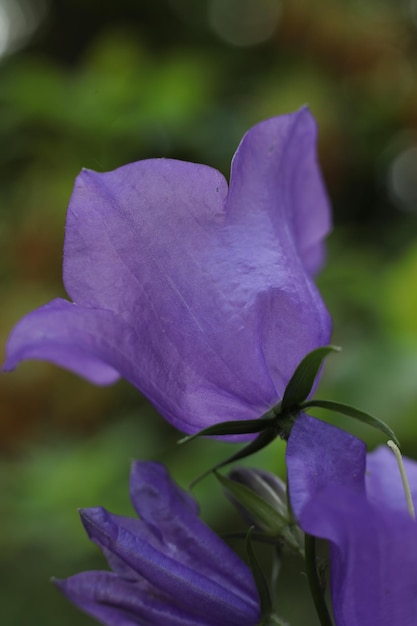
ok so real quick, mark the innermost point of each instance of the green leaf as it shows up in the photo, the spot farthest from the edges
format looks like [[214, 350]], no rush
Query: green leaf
[[350, 411], [259, 577], [263, 439], [301, 382], [235, 427]]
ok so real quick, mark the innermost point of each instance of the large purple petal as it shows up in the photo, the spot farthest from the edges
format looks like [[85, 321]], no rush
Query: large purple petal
[[162, 221], [319, 455], [201, 298], [100, 347], [373, 557]]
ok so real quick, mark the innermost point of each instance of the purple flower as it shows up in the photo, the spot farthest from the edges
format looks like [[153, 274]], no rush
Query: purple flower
[[199, 295], [373, 540], [168, 566]]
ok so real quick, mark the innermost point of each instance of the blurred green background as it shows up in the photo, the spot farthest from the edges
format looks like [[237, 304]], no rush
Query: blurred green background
[[92, 83]]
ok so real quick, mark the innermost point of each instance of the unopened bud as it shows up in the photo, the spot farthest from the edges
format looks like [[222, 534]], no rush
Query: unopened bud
[[266, 485], [261, 498]]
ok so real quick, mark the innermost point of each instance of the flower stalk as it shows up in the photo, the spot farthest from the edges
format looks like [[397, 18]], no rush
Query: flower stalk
[[316, 588]]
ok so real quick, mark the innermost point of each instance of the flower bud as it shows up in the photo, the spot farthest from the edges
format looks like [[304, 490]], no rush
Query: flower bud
[[267, 485], [262, 500]]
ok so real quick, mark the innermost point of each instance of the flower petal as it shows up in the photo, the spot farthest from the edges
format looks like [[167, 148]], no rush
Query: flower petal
[[383, 479], [155, 496], [118, 602], [147, 231], [67, 335], [163, 505], [373, 557], [200, 298], [170, 576], [275, 171], [319, 455]]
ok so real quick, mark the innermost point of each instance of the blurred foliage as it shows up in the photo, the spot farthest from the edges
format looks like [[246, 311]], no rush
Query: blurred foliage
[[101, 84]]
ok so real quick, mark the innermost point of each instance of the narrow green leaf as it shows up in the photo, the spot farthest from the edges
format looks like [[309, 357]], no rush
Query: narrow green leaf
[[259, 577], [302, 381], [235, 427], [263, 439], [350, 411]]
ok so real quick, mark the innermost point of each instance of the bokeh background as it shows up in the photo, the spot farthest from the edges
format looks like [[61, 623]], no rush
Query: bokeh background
[[93, 83]]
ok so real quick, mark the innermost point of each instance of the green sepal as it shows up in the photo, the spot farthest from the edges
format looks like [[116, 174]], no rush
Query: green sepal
[[302, 381], [351, 411], [235, 427], [264, 515], [263, 439], [261, 582], [297, 390]]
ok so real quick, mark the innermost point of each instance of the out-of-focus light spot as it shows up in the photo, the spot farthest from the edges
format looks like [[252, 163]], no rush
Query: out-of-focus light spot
[[19, 20], [244, 22], [402, 179], [4, 30], [413, 11]]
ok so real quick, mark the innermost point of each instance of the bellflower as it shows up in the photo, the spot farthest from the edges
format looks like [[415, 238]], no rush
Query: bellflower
[[200, 295], [168, 566], [363, 514]]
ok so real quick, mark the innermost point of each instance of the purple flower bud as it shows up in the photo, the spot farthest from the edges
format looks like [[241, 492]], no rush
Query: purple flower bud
[[200, 295], [168, 566]]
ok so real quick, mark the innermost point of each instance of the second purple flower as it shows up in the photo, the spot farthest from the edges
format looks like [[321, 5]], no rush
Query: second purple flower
[[168, 567]]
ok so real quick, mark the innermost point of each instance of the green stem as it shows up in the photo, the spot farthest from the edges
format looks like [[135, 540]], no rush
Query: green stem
[[274, 620], [314, 581]]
